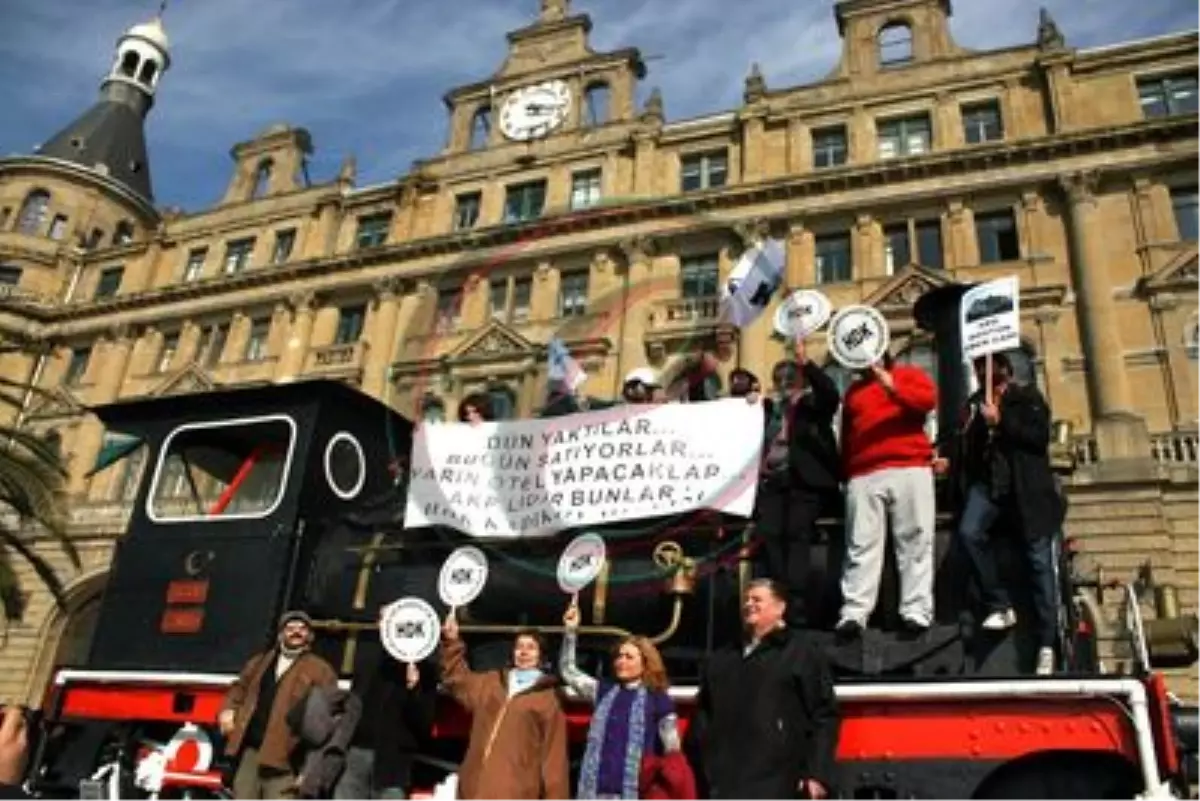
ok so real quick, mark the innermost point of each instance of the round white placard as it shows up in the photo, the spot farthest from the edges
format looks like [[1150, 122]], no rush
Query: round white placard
[[345, 465], [463, 575], [858, 337], [802, 313], [409, 629], [581, 562]]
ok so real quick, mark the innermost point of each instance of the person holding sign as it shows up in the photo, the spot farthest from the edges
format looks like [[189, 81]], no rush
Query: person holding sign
[[518, 741], [634, 721], [886, 457], [1004, 462]]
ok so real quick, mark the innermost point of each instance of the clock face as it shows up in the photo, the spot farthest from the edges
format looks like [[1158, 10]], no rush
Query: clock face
[[535, 111]]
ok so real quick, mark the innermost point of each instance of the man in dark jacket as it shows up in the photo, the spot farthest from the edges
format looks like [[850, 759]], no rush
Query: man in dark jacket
[[398, 709], [1004, 464], [798, 478], [767, 715]]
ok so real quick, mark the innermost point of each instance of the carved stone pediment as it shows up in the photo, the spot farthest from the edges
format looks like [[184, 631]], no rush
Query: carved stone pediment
[[496, 340], [184, 382], [53, 404], [900, 294], [1180, 273]]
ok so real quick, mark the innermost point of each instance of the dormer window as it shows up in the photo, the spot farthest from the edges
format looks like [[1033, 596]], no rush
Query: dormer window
[[895, 44], [262, 179], [481, 128], [123, 235], [595, 104], [33, 212]]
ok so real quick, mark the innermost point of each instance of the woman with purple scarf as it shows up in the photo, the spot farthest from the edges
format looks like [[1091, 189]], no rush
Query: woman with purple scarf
[[634, 717]]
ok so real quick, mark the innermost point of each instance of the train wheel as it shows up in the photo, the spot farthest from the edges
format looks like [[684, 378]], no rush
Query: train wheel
[[1071, 775]]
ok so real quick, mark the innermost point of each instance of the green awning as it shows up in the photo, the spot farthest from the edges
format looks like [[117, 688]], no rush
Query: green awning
[[115, 448]]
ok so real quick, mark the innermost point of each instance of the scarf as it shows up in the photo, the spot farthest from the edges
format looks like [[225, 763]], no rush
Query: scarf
[[589, 772], [520, 680]]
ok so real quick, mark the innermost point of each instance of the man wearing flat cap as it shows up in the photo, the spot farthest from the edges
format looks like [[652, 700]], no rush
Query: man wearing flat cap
[[253, 718]]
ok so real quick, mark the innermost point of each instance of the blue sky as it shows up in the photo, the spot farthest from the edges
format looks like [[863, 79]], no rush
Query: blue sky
[[367, 76]]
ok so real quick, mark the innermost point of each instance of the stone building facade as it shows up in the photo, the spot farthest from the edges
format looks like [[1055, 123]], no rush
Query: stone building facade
[[563, 206]]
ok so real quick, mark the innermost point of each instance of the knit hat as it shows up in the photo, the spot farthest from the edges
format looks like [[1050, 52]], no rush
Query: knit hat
[[295, 614]]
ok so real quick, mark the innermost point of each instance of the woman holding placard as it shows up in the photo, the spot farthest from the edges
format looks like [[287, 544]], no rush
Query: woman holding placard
[[634, 726], [518, 742]]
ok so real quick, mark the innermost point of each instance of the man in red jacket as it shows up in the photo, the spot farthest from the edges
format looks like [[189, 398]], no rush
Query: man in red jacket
[[886, 458]]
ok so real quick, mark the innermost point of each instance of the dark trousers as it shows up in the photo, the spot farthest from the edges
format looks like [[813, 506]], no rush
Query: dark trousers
[[974, 530], [786, 518]]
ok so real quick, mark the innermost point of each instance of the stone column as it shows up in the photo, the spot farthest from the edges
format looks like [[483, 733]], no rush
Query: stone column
[[107, 388], [382, 340], [801, 257], [295, 348], [644, 164], [753, 152], [1120, 434]]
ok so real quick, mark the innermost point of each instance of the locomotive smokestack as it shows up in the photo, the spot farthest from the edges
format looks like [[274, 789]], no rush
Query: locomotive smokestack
[[937, 312]]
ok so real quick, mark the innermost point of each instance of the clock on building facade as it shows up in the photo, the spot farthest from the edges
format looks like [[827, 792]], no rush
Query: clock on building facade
[[535, 111]]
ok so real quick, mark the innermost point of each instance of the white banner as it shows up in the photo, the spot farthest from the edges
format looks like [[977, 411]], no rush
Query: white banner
[[538, 477], [990, 317]]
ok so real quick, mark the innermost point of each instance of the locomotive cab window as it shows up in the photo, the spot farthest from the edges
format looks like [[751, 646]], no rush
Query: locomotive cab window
[[231, 469]]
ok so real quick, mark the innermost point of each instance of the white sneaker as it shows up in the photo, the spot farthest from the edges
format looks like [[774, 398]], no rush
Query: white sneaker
[[999, 621], [1045, 662]]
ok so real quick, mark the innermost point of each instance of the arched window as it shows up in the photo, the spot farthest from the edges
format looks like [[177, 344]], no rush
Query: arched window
[[481, 128], [595, 104], [433, 410], [504, 402], [149, 68], [33, 212], [895, 44], [262, 179], [123, 234], [129, 63]]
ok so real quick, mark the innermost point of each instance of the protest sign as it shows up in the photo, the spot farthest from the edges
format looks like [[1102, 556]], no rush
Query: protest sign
[[858, 337], [581, 562], [538, 477], [409, 629], [752, 283], [802, 313], [990, 317], [464, 573]]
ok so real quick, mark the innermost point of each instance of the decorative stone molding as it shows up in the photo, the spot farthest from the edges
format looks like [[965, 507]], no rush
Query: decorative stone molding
[[1164, 301], [748, 233], [1031, 200], [120, 333], [301, 301], [387, 288], [638, 248], [543, 271], [1080, 187], [755, 86]]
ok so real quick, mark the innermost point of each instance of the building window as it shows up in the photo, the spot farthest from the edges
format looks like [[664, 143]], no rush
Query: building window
[[449, 305], [10, 275], [58, 226], [350, 325], [833, 259], [585, 189], [895, 44], [170, 346], [123, 234], [525, 201], [373, 230], [215, 347], [33, 212], [466, 210], [109, 283], [77, 366], [896, 251], [481, 128], [929, 243], [573, 294], [703, 171], [997, 234], [257, 341], [498, 297], [595, 104], [522, 296], [503, 402], [237, 255], [982, 123], [829, 147], [1183, 202], [194, 267], [699, 277], [285, 240], [93, 239], [262, 179], [1168, 95], [909, 136]]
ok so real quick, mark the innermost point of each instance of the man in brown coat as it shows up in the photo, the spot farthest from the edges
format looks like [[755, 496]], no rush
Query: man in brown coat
[[518, 743], [254, 716]]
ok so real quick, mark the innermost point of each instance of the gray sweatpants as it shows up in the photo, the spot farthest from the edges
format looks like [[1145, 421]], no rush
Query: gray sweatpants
[[905, 495]]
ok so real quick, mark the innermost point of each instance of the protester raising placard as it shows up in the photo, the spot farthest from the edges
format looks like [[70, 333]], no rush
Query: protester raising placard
[[991, 318], [539, 477]]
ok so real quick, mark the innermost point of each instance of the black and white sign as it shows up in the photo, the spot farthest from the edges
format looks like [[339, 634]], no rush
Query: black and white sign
[[409, 629], [858, 337], [581, 562], [990, 316], [802, 313], [752, 283], [463, 575]]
